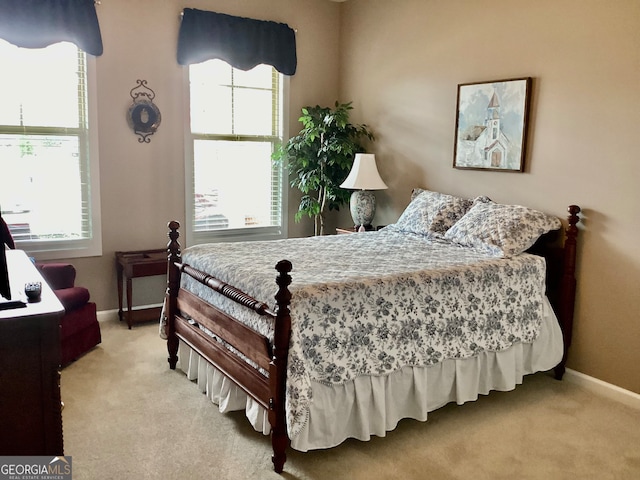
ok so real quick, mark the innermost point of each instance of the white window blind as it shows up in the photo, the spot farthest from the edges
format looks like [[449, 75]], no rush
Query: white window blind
[[234, 190], [46, 192]]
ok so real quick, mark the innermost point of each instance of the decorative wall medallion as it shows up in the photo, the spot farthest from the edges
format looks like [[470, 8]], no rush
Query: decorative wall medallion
[[143, 115]]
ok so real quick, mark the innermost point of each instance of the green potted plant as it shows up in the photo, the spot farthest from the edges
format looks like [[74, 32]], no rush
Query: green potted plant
[[320, 157]]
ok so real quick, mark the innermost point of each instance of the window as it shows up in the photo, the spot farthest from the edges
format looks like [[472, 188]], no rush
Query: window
[[233, 189], [48, 165]]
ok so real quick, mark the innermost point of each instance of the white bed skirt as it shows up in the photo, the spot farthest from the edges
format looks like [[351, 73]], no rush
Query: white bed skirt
[[374, 405]]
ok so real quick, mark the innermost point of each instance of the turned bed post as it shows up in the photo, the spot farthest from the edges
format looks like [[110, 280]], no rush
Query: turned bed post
[[278, 367], [568, 285], [171, 297]]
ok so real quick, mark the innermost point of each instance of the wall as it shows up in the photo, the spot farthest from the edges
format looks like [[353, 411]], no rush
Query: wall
[[401, 62], [142, 185]]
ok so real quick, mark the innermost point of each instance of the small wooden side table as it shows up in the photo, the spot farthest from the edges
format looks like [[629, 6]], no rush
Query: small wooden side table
[[134, 264]]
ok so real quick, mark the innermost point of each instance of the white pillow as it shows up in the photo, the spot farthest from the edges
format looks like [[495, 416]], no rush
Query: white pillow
[[502, 230]]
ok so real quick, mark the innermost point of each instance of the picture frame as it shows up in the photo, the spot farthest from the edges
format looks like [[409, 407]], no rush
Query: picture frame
[[491, 125]]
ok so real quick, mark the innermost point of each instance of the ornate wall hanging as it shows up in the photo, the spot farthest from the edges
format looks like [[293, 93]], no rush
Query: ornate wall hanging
[[143, 115]]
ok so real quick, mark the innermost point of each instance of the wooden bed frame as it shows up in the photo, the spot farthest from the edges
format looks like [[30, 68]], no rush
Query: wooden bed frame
[[271, 355]]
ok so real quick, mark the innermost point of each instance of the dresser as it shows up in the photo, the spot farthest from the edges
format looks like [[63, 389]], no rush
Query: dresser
[[30, 406]]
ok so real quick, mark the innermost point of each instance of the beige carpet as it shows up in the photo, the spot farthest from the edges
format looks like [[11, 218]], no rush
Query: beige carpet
[[127, 416]]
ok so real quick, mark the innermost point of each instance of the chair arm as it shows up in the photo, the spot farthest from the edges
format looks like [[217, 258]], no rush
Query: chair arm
[[72, 298]]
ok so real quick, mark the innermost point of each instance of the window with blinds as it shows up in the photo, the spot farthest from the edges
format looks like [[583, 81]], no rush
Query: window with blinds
[[45, 178], [236, 121]]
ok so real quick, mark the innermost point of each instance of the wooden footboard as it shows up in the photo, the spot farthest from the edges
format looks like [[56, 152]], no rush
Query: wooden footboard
[[186, 313]]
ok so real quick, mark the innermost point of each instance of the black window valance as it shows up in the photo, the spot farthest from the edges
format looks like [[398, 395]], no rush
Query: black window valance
[[39, 23], [241, 42]]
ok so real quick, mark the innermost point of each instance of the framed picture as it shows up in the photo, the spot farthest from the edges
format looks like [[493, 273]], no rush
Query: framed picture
[[491, 125]]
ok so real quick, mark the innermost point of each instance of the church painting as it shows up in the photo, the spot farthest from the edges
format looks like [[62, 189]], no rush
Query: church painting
[[491, 125]]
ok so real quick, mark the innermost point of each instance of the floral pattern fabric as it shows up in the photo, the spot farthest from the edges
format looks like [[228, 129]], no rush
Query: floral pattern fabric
[[432, 213], [371, 303], [501, 230]]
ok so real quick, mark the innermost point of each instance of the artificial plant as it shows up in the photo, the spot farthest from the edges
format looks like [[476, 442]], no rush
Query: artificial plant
[[320, 157]]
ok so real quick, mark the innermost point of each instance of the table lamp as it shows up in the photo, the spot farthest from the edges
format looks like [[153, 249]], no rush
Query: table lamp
[[363, 178]]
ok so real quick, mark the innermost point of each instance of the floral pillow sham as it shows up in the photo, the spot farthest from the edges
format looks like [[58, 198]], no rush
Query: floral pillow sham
[[432, 213], [502, 230]]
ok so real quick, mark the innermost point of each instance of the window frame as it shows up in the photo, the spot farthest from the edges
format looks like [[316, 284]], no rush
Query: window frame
[[92, 245], [236, 234]]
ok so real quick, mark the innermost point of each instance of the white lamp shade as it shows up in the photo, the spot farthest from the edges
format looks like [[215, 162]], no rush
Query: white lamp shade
[[364, 174]]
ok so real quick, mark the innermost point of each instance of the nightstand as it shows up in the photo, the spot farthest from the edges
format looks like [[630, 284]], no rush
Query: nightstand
[[344, 231]]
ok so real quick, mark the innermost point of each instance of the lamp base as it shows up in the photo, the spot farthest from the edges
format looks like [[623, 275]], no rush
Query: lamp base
[[363, 207]]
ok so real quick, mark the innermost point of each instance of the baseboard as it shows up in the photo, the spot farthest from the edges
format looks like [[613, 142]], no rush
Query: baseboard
[[112, 315], [107, 315], [605, 389]]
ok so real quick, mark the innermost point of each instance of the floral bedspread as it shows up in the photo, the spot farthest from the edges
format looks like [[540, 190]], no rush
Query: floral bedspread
[[371, 303]]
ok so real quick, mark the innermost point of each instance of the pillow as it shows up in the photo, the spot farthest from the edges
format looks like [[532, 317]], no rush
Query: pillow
[[502, 230], [482, 198], [415, 192], [432, 213]]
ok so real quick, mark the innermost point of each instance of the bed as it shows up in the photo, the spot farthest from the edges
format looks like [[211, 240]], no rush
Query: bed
[[458, 298]]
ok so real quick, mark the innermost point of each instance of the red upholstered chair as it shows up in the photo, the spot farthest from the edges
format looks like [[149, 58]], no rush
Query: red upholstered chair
[[79, 327]]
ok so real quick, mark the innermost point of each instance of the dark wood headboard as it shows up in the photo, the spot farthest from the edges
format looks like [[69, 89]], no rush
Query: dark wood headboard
[[560, 254]]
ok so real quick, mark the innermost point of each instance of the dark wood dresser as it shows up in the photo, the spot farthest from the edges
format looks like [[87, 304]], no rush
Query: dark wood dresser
[[30, 407]]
